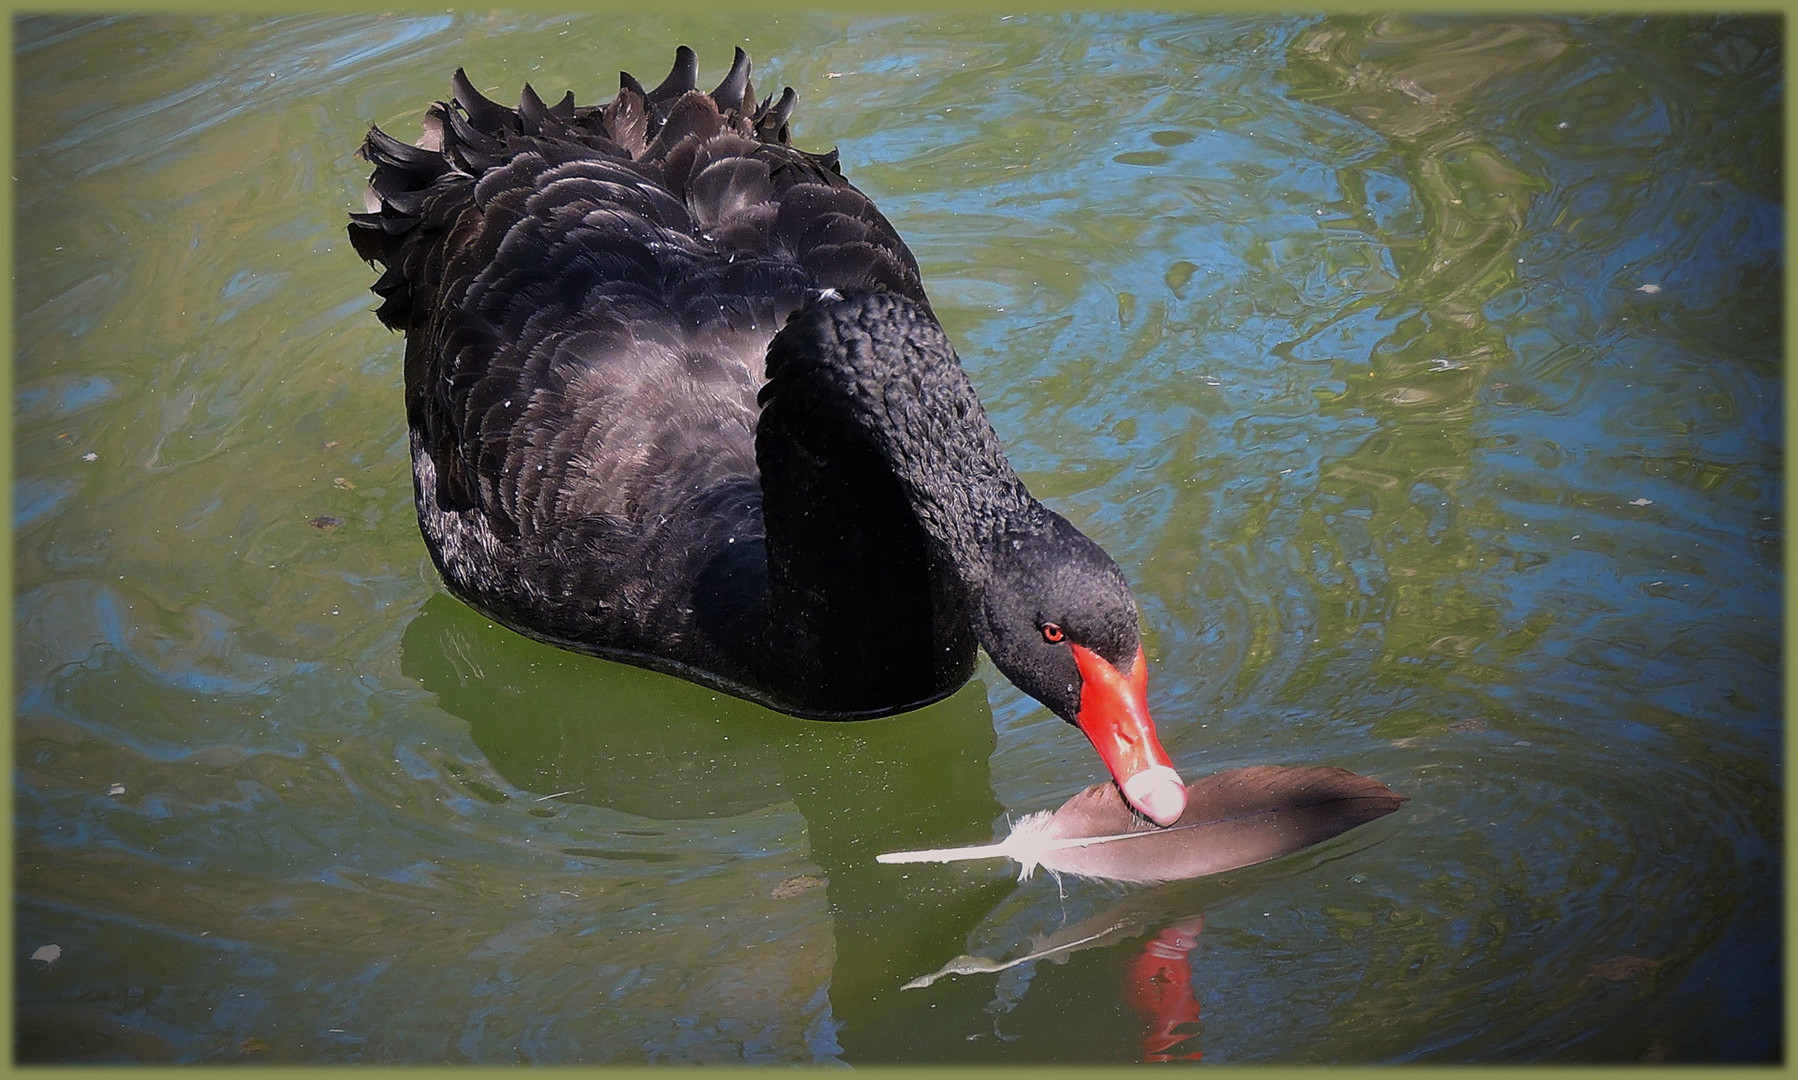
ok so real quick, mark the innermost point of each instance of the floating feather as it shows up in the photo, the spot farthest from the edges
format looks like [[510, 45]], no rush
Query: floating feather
[[1234, 819]]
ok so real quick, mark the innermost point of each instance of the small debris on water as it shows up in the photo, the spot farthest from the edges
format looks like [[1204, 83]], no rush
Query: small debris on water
[[252, 1045], [90, 456], [326, 522], [1641, 502], [343, 482], [1622, 968], [1649, 289], [47, 954], [794, 886], [116, 789], [1472, 723]]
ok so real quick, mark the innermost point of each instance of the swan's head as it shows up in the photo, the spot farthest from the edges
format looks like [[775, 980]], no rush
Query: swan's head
[[1059, 620]]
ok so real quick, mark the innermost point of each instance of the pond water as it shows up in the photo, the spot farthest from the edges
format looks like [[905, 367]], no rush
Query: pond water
[[1423, 375]]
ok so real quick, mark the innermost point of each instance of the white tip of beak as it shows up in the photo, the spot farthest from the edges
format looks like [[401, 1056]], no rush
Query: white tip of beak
[[1157, 794]]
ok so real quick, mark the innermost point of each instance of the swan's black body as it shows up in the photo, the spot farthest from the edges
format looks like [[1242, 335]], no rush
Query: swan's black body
[[677, 397]]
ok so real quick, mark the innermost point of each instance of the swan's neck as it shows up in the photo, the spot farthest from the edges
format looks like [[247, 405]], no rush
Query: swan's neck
[[876, 369], [884, 491]]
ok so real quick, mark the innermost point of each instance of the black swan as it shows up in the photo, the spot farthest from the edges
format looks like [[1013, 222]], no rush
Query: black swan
[[677, 398]]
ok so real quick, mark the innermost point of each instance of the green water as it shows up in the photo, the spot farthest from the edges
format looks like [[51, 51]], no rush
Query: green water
[[1423, 374]]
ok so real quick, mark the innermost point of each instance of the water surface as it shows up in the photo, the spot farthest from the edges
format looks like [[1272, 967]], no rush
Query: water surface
[[1423, 374]]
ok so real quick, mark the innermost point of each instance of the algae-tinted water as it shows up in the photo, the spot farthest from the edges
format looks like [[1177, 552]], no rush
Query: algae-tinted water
[[1423, 374]]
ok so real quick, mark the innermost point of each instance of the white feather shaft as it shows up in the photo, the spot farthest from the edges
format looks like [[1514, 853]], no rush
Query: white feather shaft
[[1020, 845], [948, 854]]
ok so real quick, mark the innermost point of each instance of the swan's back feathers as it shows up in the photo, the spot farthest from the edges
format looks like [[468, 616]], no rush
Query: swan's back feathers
[[588, 293], [673, 139]]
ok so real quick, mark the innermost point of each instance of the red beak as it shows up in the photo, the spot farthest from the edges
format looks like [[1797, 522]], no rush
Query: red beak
[[1114, 713]]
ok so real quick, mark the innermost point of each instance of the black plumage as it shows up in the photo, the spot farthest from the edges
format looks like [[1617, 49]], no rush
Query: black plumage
[[677, 396]]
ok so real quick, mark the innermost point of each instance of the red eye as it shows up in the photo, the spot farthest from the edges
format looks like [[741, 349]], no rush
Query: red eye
[[1052, 633]]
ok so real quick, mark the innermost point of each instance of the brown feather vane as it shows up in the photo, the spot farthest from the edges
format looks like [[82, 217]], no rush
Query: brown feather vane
[[1233, 819]]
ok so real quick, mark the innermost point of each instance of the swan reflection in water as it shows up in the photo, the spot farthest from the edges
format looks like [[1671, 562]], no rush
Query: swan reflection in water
[[694, 758], [1155, 979]]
